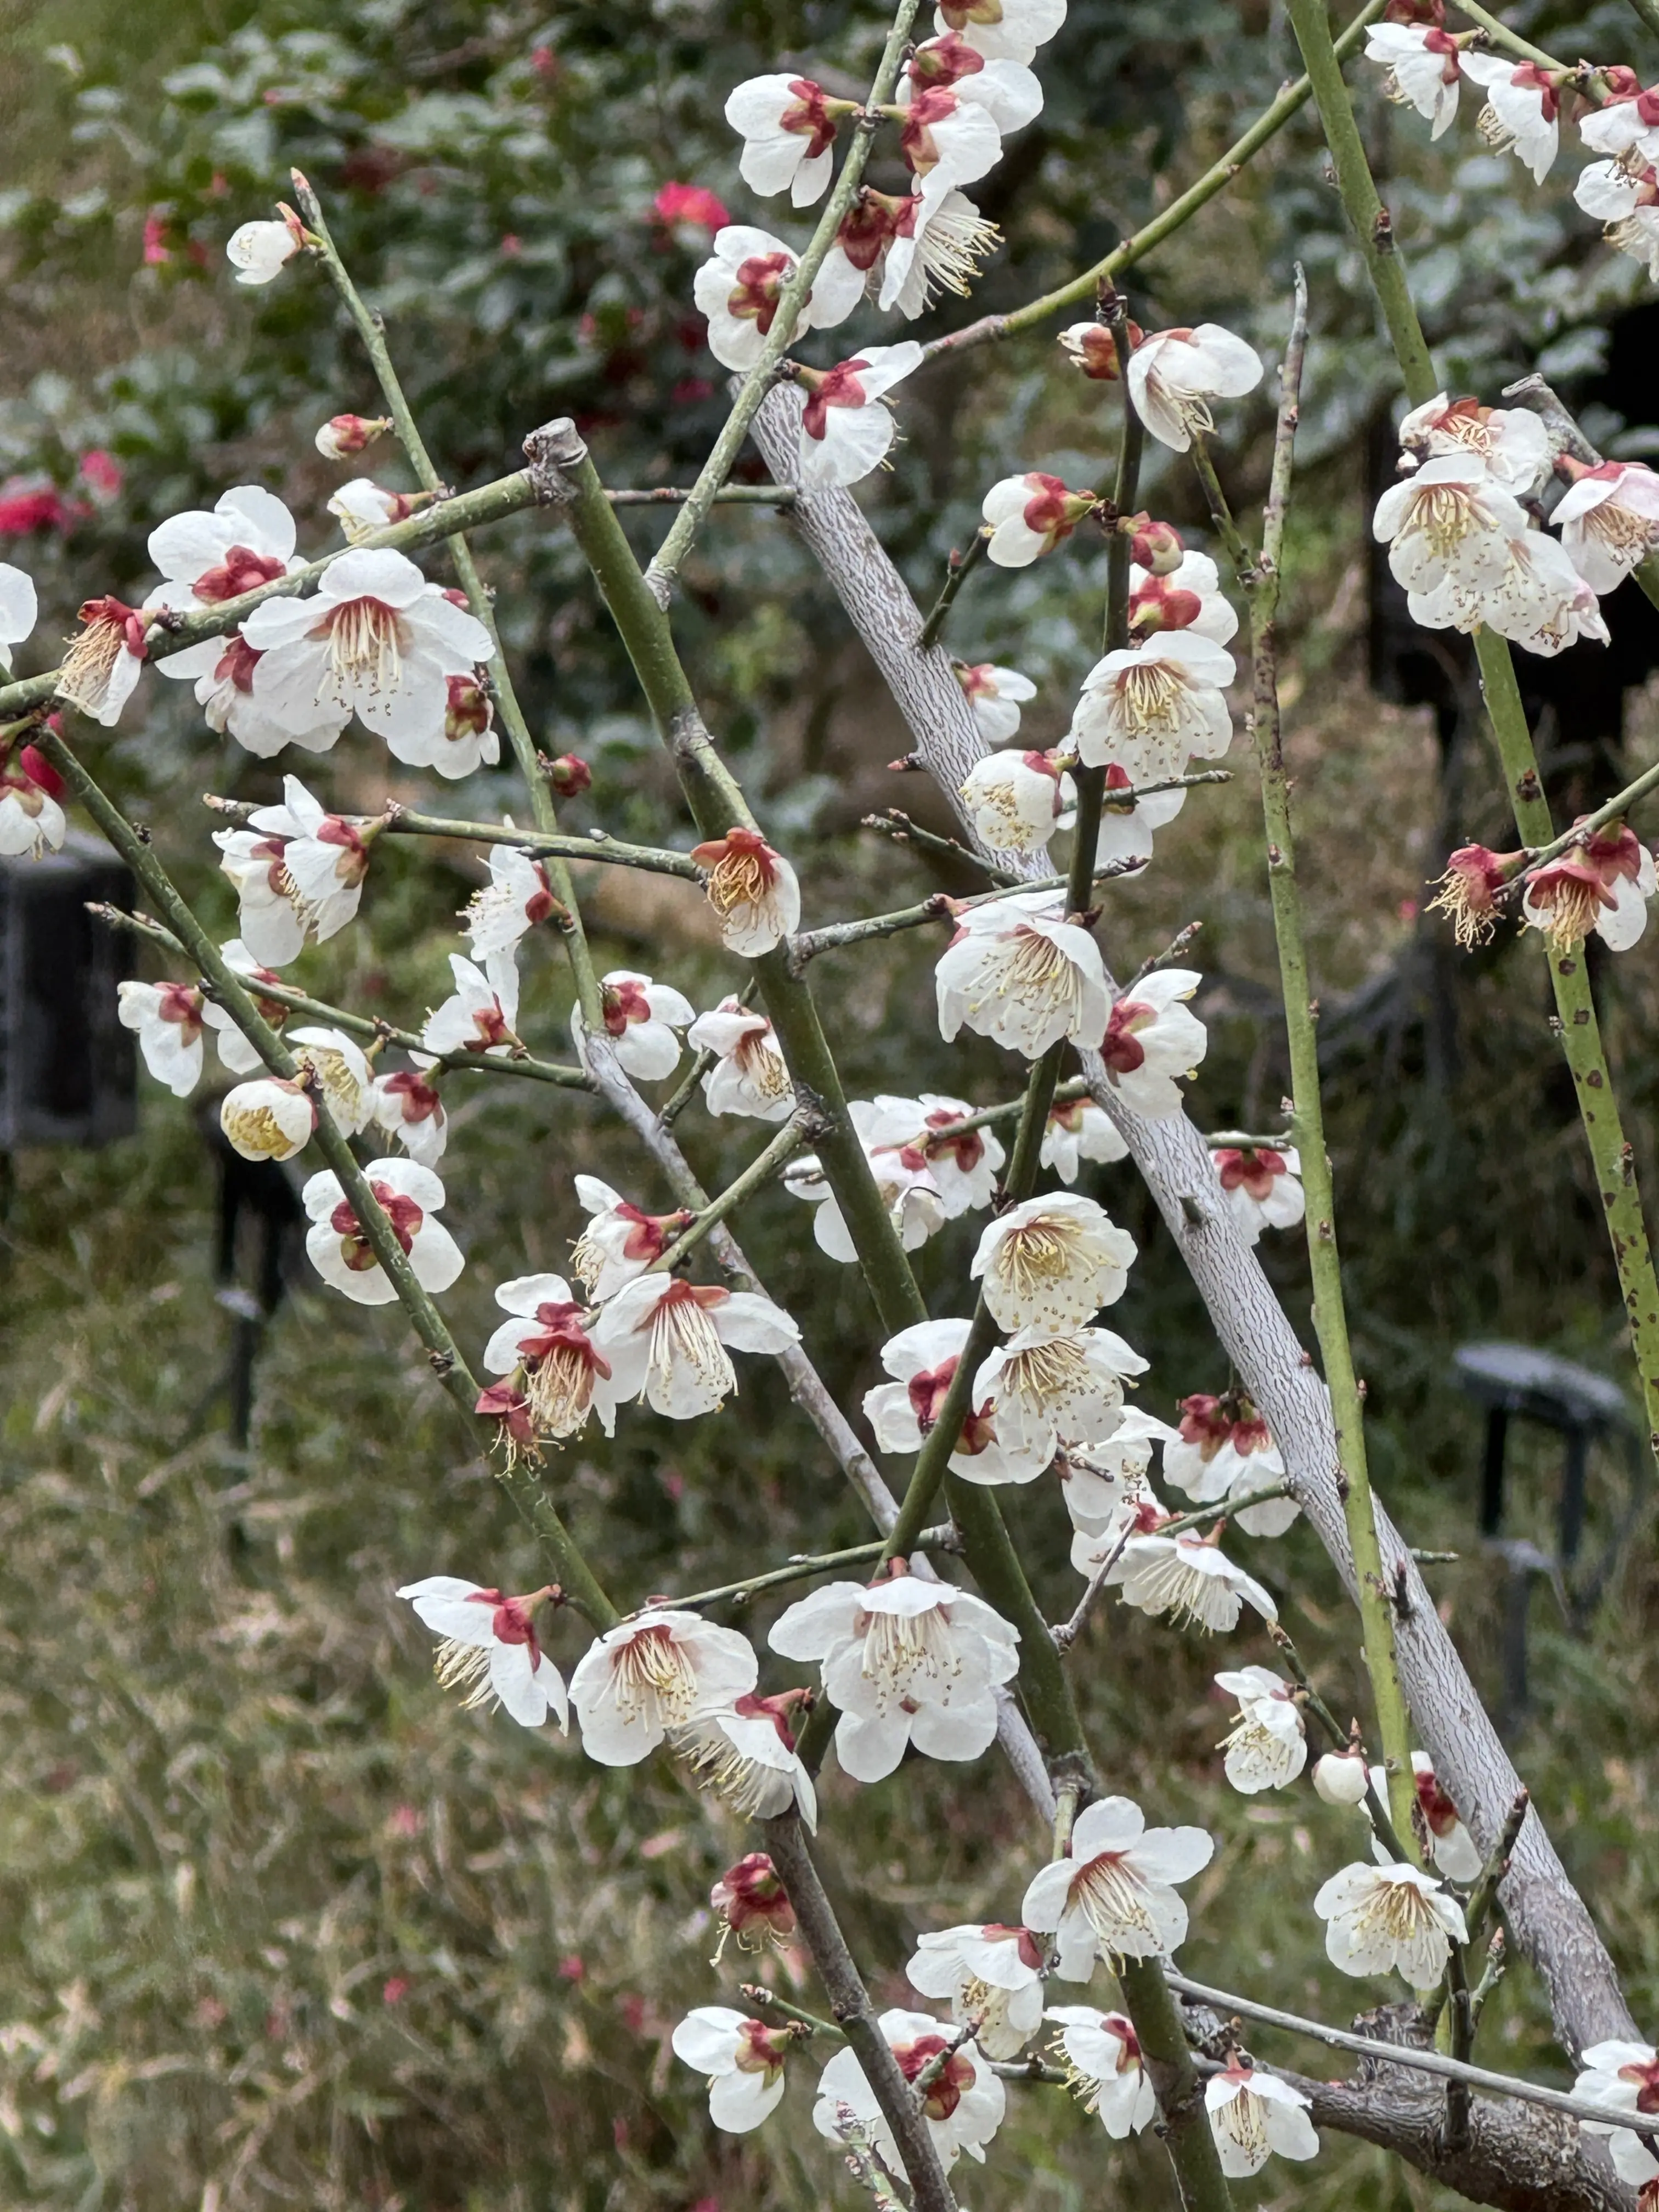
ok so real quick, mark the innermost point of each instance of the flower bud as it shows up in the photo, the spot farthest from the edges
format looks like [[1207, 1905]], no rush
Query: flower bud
[[568, 775], [751, 1900], [1092, 348], [268, 1119], [1155, 546], [1339, 1777], [348, 434], [468, 712]]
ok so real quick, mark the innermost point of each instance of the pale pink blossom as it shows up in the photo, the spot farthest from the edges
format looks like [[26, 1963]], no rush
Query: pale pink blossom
[[948, 135], [408, 1108], [923, 1360], [750, 1075], [268, 1119], [1260, 1186], [1268, 1745], [1609, 521], [845, 430], [1031, 514], [1002, 29], [100, 672], [743, 2060], [1018, 971], [744, 1752], [1048, 1264], [167, 1019], [1174, 374], [410, 1196], [1379, 1919], [479, 1016], [1147, 707], [752, 889], [490, 1648], [787, 125], [235, 1052], [1423, 69], [1151, 1040], [1016, 800], [1103, 2052], [1115, 1896], [1627, 121], [517, 897], [566, 1376], [963, 2107], [1253, 2114], [990, 1975], [376, 640], [996, 696], [649, 1674], [904, 1662], [258, 251], [31, 819], [1091, 349], [1521, 112], [666, 1342], [1078, 1130], [1007, 90], [620, 1242], [640, 1017], [1225, 1451], [1512, 441], [467, 739], [1602, 885]]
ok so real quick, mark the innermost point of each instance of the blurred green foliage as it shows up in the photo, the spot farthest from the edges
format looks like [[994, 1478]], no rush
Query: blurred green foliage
[[280, 1925]]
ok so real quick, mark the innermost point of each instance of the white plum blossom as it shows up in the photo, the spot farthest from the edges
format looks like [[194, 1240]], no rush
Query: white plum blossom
[[205, 559], [1512, 441], [479, 1015], [566, 1377], [1521, 112], [845, 431], [1623, 195], [1339, 1777], [1105, 1484], [666, 1340], [948, 136], [750, 1075], [1018, 971], [1053, 1393], [1029, 516], [362, 507], [1449, 524], [1383, 1917], [1010, 30], [909, 1188], [743, 2062], [904, 1662], [1187, 596], [753, 889], [787, 125], [268, 1119], [517, 897], [1625, 2077], [1114, 1897], [1173, 376], [1602, 885], [1078, 1130], [325, 861], [100, 672], [640, 1017], [235, 1053], [1103, 2052], [408, 1108], [649, 1674], [1224, 1451], [376, 640], [1540, 601], [996, 696], [31, 819], [745, 1753], [1049, 1264], [1455, 1854], [1268, 1745], [938, 242], [19, 610], [490, 1648], [923, 1131], [1424, 66], [1016, 800], [922, 1360], [1627, 119], [1151, 1040], [963, 2107], [258, 251], [1609, 521], [738, 288], [1253, 2114], [223, 669], [991, 1975], [344, 1078], [277, 914], [409, 1195], [1148, 707], [167, 1019], [1187, 1577], [620, 1242], [1260, 1186]]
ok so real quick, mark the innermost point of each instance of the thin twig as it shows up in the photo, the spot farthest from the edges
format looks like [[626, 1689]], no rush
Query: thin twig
[[958, 569], [942, 1538], [728, 496], [762, 1169]]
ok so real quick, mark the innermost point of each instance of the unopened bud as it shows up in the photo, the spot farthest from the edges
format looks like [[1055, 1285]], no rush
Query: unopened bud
[[348, 434], [1092, 348], [568, 775], [470, 712], [1339, 1778], [1155, 546]]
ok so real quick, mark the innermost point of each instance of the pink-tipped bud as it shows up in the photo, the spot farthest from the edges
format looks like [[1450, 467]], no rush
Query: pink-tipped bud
[[1091, 348], [568, 775], [1155, 546], [348, 434]]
